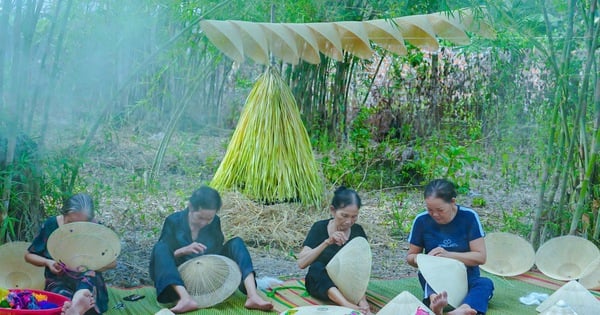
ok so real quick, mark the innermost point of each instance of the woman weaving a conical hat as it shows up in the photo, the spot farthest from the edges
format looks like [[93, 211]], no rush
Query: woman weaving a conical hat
[[190, 233], [454, 233], [324, 240], [86, 289]]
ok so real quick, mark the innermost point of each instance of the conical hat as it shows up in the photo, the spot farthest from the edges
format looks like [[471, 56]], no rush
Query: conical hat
[[254, 41], [210, 279], [350, 269], [282, 42], [355, 38], [225, 36], [385, 34], [448, 29], [417, 30], [445, 274], [567, 257], [403, 303], [15, 272], [308, 48], [84, 245], [328, 39], [591, 280], [320, 310], [560, 308], [576, 296], [508, 254]]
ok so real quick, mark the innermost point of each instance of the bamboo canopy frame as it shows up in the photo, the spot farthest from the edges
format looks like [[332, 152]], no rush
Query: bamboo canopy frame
[[269, 157], [292, 42]]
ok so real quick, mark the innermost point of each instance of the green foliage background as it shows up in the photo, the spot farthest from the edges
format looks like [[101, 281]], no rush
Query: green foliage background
[[79, 76]]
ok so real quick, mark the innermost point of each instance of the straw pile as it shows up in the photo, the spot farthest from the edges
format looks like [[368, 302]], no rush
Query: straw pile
[[269, 157], [281, 225], [285, 226]]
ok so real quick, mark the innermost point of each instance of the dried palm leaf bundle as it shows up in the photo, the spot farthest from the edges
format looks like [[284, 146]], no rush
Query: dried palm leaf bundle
[[269, 157]]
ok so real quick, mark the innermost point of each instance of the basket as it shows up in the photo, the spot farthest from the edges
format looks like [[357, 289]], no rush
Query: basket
[[52, 297]]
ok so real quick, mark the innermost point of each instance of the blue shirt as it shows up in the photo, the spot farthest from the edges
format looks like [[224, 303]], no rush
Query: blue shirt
[[453, 236]]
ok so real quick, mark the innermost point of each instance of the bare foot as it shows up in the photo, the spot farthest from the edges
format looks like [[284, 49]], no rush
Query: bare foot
[[186, 304], [463, 310], [82, 301], [364, 307], [256, 303], [438, 302]]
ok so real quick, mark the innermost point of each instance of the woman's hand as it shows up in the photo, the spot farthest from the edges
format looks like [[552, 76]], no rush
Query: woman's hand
[[193, 248], [475, 257], [438, 251], [338, 237], [54, 267]]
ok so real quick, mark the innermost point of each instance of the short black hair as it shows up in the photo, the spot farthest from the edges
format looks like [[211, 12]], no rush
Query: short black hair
[[205, 198], [343, 197], [440, 188]]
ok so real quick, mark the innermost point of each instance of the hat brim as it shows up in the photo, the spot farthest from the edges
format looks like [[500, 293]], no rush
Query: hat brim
[[445, 274], [555, 257], [210, 279], [15, 272], [84, 245], [508, 254], [350, 269]]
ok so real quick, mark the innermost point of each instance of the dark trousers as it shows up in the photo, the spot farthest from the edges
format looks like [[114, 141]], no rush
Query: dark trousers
[[164, 272], [318, 282]]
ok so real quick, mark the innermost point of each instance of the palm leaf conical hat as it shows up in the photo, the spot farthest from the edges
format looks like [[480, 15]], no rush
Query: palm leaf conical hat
[[210, 279], [350, 269], [84, 245], [15, 272], [567, 257], [445, 274], [576, 296], [507, 254]]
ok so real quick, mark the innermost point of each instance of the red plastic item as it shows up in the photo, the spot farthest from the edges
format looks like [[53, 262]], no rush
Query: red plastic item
[[52, 297]]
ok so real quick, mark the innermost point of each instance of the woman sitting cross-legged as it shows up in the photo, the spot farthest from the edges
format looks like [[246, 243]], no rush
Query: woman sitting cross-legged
[[87, 290], [190, 233], [449, 230], [325, 239]]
